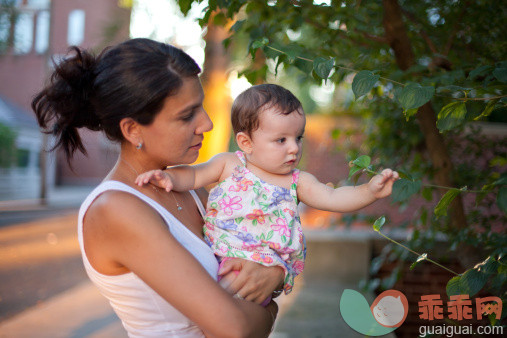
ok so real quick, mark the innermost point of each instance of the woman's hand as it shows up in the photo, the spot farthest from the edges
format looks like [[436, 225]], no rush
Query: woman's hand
[[255, 282]]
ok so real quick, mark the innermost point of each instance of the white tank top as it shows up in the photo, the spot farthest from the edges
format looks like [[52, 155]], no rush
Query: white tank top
[[142, 311]]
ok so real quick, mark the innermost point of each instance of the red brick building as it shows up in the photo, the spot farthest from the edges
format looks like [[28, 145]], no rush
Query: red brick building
[[43, 30]]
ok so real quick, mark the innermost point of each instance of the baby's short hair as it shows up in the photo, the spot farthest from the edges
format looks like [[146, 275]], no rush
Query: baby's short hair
[[250, 103]]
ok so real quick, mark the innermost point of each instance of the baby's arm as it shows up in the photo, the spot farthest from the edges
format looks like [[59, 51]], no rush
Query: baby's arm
[[188, 177], [344, 199]]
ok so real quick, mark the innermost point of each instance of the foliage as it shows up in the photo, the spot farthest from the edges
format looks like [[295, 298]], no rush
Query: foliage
[[7, 146], [431, 65]]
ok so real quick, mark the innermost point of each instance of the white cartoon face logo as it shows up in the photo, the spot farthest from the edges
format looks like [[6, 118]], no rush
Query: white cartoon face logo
[[389, 311], [390, 308]]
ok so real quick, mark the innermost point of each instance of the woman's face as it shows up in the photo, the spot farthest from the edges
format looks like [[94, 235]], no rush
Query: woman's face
[[175, 135]]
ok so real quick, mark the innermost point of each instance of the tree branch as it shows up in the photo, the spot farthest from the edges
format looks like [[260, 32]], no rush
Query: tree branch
[[422, 32], [454, 31]]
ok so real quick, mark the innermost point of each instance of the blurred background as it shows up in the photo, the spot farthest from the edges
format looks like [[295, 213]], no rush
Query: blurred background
[[40, 265]]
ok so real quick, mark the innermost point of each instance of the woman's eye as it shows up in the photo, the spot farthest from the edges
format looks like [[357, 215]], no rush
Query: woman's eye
[[188, 117]]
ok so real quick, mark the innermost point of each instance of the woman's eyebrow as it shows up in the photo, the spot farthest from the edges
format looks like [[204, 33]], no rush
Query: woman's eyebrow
[[187, 109]]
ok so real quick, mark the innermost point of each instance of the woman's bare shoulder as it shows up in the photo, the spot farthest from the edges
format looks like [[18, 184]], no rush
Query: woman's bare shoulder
[[113, 209]]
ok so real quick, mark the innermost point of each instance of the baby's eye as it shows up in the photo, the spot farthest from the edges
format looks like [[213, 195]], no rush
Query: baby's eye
[[299, 138], [281, 140]]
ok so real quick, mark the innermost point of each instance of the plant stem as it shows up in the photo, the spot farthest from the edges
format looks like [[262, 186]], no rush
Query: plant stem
[[428, 185], [416, 253]]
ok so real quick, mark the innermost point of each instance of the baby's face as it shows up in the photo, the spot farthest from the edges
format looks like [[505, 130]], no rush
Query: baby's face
[[277, 143]]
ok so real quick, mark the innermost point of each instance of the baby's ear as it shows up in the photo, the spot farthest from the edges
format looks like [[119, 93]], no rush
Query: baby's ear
[[244, 142]]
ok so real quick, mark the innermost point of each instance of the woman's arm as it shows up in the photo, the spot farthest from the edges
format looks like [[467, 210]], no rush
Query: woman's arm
[[131, 234], [344, 199], [188, 177]]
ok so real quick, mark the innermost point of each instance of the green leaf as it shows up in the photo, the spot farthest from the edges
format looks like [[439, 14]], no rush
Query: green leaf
[[292, 52], [185, 6], [354, 170], [259, 43], [379, 222], [472, 281], [453, 287], [427, 193], [219, 19], [479, 71], [500, 74], [237, 25], [503, 179], [443, 204], [363, 82], [403, 189], [413, 95], [323, 67], [270, 235], [451, 115], [489, 266], [489, 108], [362, 161], [303, 65], [409, 113], [419, 259], [501, 199]]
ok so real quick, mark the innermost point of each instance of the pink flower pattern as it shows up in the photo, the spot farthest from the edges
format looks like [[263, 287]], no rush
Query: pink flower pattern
[[229, 204]]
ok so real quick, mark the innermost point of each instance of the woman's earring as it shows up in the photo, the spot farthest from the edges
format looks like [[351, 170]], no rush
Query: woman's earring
[[139, 146]]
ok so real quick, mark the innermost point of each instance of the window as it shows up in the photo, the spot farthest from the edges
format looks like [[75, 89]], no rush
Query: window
[[23, 33], [42, 32], [75, 32]]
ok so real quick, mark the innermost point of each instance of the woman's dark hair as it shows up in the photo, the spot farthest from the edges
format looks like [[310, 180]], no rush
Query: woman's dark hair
[[131, 79], [247, 107]]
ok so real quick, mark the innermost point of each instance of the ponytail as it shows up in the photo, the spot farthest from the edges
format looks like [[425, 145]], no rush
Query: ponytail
[[65, 104]]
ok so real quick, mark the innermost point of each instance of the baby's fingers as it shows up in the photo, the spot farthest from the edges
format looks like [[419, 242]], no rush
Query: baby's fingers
[[143, 178]]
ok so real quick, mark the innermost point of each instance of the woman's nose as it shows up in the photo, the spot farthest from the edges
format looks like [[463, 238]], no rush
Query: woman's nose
[[205, 123]]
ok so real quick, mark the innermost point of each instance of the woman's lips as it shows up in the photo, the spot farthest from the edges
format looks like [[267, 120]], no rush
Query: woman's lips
[[197, 146]]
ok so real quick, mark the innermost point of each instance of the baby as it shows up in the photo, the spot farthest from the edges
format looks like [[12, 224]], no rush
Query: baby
[[252, 211]]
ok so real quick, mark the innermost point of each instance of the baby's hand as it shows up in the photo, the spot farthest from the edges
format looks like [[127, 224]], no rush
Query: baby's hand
[[158, 178], [382, 185]]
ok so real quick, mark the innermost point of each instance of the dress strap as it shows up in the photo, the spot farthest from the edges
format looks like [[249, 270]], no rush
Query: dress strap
[[294, 184], [295, 176], [241, 157], [197, 200]]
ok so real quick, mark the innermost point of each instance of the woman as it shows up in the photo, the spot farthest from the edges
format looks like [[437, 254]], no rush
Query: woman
[[143, 248]]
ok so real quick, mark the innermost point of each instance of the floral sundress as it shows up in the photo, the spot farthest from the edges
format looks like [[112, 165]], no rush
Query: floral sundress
[[251, 219]]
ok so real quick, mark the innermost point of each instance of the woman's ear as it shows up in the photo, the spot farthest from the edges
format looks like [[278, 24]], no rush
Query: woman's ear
[[131, 131], [244, 142]]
